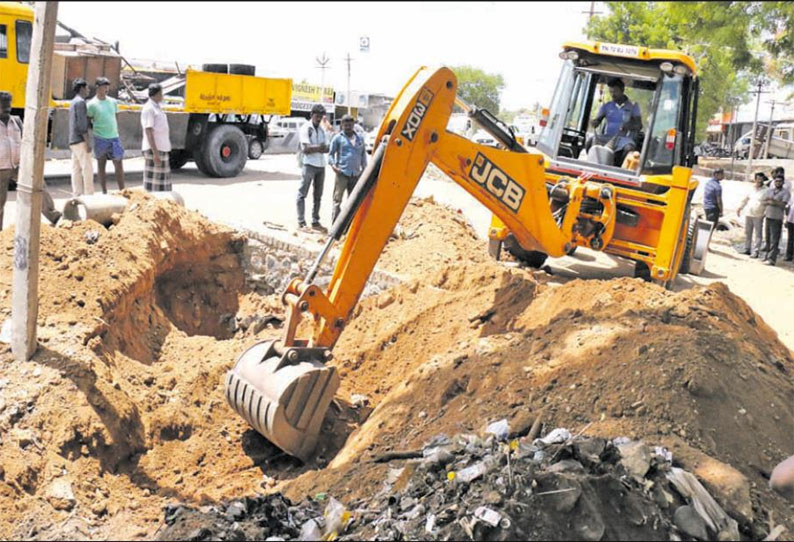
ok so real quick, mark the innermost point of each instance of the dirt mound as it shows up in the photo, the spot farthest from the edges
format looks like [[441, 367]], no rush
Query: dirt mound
[[696, 370], [122, 405], [121, 411]]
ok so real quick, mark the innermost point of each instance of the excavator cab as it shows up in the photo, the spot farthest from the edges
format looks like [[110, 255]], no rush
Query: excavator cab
[[635, 141]]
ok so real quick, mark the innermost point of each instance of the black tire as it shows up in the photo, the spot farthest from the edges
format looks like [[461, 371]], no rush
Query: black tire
[[178, 158], [642, 271], [532, 258], [215, 68], [255, 149], [225, 151], [242, 69], [690, 238], [198, 158]]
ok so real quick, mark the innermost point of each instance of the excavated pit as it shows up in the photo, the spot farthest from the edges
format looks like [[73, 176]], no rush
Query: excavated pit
[[121, 411]]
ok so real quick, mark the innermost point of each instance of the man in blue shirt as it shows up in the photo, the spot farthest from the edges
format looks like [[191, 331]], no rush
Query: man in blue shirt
[[348, 158], [623, 121], [712, 197]]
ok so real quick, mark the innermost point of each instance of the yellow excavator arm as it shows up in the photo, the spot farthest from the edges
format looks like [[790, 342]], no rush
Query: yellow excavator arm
[[283, 388]]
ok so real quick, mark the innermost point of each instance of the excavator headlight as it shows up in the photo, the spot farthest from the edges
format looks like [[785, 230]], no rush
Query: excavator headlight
[[569, 55], [666, 67], [681, 70]]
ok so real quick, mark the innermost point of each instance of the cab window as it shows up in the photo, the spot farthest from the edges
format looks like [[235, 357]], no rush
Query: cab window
[[664, 148], [3, 41], [24, 37]]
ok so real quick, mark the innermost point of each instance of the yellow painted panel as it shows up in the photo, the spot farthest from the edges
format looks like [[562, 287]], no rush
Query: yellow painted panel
[[13, 74], [207, 92]]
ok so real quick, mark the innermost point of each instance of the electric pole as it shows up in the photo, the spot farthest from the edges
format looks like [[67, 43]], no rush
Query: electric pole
[[758, 92], [591, 12], [348, 60], [770, 129], [30, 185], [322, 63]]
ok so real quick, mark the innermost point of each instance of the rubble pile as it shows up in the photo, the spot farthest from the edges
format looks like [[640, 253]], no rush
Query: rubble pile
[[468, 487]]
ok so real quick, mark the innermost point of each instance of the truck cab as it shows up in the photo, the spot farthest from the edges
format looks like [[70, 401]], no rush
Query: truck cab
[[16, 33]]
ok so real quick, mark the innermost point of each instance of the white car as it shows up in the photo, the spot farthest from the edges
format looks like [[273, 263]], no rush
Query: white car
[[482, 137], [369, 141]]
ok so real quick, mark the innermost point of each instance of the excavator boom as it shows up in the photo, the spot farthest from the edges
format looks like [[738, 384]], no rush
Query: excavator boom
[[283, 388]]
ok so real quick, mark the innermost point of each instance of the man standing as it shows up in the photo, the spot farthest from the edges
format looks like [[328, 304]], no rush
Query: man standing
[[776, 198], [82, 168], [314, 145], [156, 143], [790, 230], [623, 121], [348, 158], [754, 218], [10, 143], [712, 197], [102, 111]]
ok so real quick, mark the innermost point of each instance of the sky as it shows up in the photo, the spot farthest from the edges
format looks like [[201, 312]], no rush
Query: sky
[[519, 40]]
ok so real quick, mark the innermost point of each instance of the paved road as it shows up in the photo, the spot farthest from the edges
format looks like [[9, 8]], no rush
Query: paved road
[[266, 191]]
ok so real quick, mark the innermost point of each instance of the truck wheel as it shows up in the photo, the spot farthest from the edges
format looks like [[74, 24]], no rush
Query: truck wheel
[[532, 258], [255, 149], [198, 158], [225, 151], [242, 69], [642, 271], [178, 158], [690, 238], [215, 68]]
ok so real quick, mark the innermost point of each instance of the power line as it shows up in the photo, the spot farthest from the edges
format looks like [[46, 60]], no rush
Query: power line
[[591, 12]]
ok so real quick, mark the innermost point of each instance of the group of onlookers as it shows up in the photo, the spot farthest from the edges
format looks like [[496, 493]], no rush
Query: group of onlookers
[[346, 155], [767, 208], [92, 125]]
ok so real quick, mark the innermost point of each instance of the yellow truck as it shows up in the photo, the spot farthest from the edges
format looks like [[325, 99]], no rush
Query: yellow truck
[[221, 121]]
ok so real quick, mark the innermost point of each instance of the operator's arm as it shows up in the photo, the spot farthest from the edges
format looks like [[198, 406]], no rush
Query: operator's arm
[[599, 117], [635, 121]]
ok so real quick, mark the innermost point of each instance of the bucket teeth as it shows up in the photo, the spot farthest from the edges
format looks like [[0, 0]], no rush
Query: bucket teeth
[[286, 403]]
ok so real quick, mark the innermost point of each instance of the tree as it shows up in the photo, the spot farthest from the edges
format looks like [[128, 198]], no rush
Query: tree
[[718, 35], [477, 87]]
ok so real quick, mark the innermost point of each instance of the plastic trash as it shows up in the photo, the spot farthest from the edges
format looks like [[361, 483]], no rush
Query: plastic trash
[[471, 473], [488, 516], [311, 531], [557, 436], [498, 429], [663, 453], [430, 524], [337, 517]]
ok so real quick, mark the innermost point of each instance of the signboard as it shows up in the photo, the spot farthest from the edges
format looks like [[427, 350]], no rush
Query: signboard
[[357, 99], [305, 95], [363, 43]]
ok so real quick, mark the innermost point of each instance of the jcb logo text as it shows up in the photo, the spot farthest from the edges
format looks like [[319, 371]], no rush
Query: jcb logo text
[[497, 182], [417, 114]]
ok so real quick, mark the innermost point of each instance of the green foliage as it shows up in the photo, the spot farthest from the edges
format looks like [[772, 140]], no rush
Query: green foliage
[[718, 35], [477, 87]]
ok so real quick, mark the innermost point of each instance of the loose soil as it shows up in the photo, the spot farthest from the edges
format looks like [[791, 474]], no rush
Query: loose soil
[[123, 402]]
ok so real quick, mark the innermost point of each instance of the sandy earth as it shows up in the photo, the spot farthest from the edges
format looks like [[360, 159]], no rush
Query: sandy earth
[[122, 411]]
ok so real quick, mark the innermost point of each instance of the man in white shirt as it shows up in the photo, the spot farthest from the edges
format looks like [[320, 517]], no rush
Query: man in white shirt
[[156, 144], [314, 144]]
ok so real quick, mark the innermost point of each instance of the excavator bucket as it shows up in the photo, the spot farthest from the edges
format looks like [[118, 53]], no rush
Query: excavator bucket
[[283, 393]]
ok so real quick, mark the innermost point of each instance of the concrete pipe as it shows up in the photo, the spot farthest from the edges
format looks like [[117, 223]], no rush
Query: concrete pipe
[[98, 207], [172, 195]]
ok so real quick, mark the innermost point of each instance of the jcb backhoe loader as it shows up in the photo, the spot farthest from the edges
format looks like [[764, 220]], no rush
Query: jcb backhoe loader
[[544, 203]]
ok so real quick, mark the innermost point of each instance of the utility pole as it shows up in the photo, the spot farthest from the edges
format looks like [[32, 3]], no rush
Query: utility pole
[[25, 279], [732, 138], [322, 63], [770, 129], [758, 92], [591, 12], [348, 60]]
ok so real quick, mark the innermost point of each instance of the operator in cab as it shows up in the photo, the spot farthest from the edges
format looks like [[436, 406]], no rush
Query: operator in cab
[[623, 121]]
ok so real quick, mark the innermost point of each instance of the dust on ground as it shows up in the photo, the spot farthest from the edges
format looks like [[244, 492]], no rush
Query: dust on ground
[[121, 410]]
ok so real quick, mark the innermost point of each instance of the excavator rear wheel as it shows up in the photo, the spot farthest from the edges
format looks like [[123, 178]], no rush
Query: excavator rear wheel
[[532, 258]]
